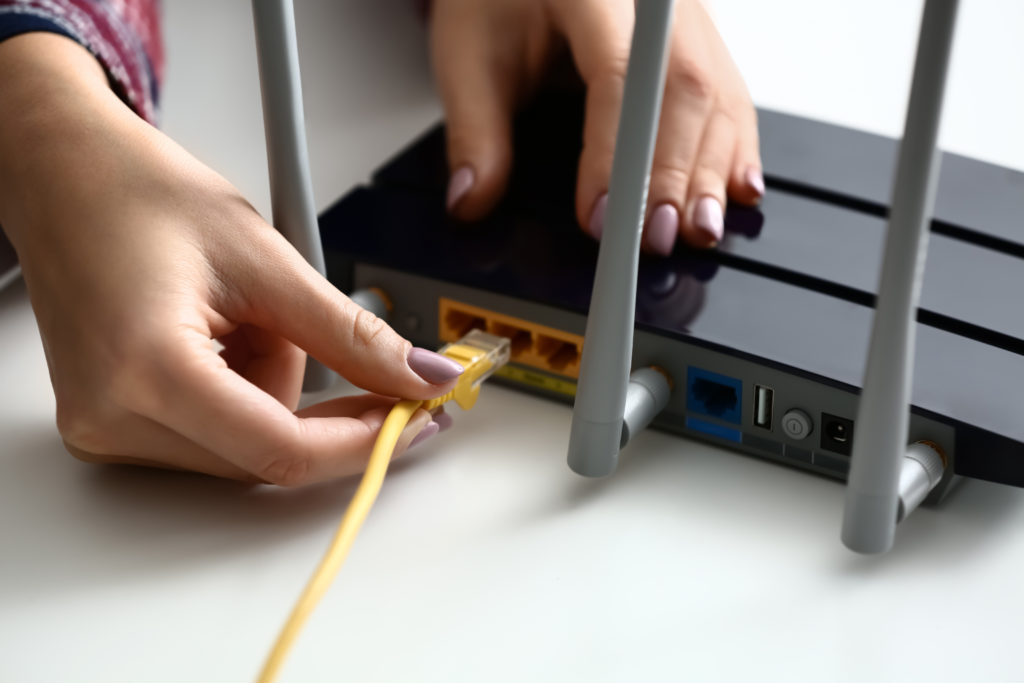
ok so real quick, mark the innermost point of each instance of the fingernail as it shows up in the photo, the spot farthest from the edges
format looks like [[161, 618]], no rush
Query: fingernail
[[596, 225], [433, 367], [444, 421], [662, 228], [430, 430], [707, 219], [459, 184], [755, 180]]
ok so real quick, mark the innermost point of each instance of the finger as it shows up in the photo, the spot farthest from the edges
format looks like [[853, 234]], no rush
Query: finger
[[273, 364], [746, 179], [704, 223], [365, 404], [348, 405], [684, 115], [218, 410], [478, 93], [598, 33], [166, 449], [290, 299]]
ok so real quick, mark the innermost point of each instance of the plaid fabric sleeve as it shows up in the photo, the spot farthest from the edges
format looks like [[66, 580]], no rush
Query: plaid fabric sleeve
[[124, 35]]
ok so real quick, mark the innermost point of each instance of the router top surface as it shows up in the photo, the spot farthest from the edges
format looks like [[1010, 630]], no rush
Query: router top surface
[[791, 285]]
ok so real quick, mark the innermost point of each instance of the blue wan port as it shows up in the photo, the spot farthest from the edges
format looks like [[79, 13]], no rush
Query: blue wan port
[[718, 396]]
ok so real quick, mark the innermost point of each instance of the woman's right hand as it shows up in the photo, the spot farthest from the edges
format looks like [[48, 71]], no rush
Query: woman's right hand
[[138, 259]]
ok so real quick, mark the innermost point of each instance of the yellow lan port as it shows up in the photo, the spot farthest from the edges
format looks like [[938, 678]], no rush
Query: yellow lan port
[[534, 345]]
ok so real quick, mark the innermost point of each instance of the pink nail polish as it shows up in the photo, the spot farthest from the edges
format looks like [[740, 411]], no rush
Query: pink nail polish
[[444, 421], [596, 225], [707, 219], [433, 367], [430, 430], [460, 183], [662, 228], [755, 180]]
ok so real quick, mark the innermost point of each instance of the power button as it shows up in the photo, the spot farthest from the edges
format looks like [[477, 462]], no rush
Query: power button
[[797, 424]]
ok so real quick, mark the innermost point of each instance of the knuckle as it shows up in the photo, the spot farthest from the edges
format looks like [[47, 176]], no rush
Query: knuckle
[[595, 164], [288, 464], [671, 175], [611, 72], [689, 76], [725, 118], [739, 109], [605, 88], [607, 81], [368, 329], [286, 469], [708, 176]]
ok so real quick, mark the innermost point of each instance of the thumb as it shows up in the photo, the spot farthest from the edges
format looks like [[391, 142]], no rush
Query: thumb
[[294, 301], [478, 100]]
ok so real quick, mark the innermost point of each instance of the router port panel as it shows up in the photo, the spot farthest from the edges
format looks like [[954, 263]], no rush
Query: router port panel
[[789, 391], [421, 315], [539, 346]]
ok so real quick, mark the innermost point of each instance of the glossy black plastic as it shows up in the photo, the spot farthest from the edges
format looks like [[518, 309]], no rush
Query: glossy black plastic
[[792, 285]]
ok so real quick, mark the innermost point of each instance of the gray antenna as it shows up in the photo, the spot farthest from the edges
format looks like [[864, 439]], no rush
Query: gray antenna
[[291, 190], [597, 420], [869, 522]]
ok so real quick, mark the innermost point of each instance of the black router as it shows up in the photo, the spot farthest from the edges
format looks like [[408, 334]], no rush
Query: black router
[[765, 339]]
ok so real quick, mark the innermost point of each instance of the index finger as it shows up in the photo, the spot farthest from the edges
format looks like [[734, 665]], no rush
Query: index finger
[[598, 33]]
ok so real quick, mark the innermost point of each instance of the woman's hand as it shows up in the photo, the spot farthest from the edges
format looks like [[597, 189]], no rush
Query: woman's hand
[[138, 259], [489, 56]]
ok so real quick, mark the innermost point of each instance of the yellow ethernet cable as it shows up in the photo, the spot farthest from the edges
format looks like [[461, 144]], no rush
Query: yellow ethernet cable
[[481, 354]]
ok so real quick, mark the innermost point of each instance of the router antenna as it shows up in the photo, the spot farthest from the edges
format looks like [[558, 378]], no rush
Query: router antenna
[[869, 522], [291, 190], [594, 439]]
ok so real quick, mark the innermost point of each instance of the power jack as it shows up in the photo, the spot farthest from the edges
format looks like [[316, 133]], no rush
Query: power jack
[[836, 434]]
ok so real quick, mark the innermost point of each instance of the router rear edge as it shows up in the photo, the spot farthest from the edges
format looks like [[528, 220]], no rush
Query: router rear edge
[[765, 338]]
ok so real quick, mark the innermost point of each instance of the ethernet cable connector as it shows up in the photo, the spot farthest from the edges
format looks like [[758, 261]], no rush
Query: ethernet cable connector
[[481, 354]]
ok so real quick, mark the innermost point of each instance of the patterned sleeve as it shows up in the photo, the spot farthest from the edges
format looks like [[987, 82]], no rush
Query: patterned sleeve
[[124, 35]]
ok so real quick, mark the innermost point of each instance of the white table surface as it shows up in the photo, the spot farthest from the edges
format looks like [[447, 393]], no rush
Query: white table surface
[[485, 559]]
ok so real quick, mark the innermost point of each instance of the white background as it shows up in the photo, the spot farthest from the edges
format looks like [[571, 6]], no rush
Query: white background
[[485, 558]]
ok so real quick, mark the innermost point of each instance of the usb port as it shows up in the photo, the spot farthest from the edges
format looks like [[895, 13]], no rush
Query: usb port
[[763, 398]]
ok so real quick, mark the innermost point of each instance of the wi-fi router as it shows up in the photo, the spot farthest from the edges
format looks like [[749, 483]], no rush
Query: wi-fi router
[[765, 340]]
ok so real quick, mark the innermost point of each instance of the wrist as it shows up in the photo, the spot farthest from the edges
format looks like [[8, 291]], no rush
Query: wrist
[[57, 105]]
